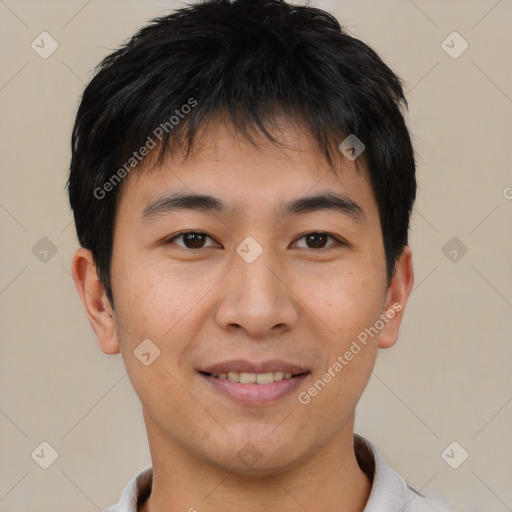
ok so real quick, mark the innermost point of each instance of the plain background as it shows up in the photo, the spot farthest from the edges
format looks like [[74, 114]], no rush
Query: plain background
[[447, 379]]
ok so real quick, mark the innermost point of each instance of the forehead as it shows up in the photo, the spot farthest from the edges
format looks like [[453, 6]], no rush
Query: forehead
[[249, 177]]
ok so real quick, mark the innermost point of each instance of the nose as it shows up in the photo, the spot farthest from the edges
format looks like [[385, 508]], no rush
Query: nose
[[257, 299]]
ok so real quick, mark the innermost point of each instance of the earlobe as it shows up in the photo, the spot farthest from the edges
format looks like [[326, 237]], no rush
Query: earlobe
[[97, 306], [396, 299]]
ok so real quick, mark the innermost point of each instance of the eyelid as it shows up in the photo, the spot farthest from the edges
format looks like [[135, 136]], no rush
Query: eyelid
[[338, 240], [178, 235]]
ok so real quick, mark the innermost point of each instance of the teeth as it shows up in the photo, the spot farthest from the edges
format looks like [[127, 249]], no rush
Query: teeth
[[253, 378], [265, 378], [278, 375], [247, 378]]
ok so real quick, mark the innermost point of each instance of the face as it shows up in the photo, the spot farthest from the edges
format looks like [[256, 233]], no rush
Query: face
[[248, 276]]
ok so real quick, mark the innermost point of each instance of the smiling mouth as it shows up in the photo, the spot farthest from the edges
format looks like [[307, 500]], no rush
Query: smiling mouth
[[254, 378]]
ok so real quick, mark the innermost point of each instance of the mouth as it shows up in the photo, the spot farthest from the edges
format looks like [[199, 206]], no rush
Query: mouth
[[254, 378], [265, 384]]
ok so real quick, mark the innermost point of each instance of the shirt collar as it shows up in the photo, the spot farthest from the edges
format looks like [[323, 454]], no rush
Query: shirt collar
[[389, 489]]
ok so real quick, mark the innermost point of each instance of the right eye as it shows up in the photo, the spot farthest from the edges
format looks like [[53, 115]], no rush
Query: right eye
[[191, 239]]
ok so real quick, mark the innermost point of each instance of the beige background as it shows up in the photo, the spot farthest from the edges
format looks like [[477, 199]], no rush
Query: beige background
[[448, 378]]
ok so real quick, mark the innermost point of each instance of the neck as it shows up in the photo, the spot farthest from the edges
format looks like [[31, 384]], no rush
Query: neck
[[327, 480]]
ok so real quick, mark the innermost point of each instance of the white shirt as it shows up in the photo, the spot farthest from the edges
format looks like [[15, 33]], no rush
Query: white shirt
[[389, 493]]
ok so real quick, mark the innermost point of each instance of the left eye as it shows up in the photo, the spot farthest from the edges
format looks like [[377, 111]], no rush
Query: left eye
[[318, 240], [196, 239]]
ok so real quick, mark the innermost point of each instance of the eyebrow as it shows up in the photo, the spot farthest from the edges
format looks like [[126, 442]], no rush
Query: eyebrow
[[308, 204]]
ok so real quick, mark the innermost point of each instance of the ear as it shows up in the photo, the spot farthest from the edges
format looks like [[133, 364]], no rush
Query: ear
[[396, 298], [97, 306]]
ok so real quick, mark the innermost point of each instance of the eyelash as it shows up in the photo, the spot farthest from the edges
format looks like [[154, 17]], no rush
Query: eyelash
[[339, 241]]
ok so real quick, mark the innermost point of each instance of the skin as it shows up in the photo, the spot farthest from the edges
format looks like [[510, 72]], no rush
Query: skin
[[298, 302]]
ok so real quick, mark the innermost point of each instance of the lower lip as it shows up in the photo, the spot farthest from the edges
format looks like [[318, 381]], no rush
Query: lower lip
[[256, 394]]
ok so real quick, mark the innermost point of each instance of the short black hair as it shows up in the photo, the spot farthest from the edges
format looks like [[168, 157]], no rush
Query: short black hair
[[248, 60]]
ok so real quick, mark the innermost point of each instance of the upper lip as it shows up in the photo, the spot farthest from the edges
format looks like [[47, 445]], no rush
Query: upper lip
[[243, 365]]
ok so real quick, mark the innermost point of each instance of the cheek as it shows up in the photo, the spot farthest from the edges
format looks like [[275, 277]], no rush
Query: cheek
[[346, 304], [152, 308], [161, 306], [155, 301], [348, 310]]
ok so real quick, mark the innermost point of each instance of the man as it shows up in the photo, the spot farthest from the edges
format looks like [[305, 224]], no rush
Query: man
[[242, 180]]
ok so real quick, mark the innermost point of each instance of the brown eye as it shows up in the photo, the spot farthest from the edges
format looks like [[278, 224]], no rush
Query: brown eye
[[319, 240], [191, 240]]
